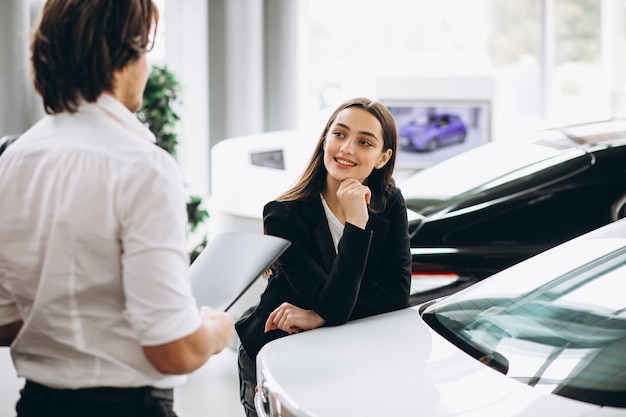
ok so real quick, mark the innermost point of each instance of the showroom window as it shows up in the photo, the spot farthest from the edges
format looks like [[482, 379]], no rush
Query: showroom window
[[157, 54], [580, 83], [552, 60]]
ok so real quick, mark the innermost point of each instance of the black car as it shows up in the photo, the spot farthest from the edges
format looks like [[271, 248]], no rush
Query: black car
[[498, 204], [5, 141]]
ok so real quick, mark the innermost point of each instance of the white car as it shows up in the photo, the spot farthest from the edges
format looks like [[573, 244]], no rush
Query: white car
[[544, 338]]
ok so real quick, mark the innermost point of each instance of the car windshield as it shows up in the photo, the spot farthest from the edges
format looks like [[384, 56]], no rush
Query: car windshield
[[492, 164], [566, 335], [424, 119]]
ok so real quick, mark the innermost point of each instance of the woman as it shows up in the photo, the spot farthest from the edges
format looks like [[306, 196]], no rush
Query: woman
[[347, 224]]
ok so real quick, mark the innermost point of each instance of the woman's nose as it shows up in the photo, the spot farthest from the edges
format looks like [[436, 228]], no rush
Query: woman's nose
[[347, 146]]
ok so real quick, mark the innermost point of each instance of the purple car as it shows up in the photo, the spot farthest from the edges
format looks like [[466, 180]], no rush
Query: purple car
[[438, 130]]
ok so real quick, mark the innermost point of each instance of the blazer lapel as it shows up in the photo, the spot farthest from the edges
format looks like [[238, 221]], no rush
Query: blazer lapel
[[379, 225], [313, 212]]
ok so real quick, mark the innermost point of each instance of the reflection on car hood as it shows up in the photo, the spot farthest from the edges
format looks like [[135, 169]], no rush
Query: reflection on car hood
[[395, 365]]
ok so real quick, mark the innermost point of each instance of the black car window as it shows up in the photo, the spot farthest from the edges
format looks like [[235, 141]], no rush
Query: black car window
[[519, 180], [7, 140]]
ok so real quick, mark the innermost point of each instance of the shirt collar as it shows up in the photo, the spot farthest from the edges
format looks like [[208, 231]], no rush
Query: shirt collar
[[124, 116]]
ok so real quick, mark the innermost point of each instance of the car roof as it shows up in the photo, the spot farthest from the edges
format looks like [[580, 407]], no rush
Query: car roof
[[611, 131]]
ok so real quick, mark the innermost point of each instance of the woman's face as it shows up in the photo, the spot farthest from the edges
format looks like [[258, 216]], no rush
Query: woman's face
[[353, 146]]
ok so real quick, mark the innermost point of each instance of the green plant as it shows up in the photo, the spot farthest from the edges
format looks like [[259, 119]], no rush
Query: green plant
[[159, 98], [158, 114]]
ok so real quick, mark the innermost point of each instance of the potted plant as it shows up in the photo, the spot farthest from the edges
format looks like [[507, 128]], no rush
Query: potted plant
[[159, 115]]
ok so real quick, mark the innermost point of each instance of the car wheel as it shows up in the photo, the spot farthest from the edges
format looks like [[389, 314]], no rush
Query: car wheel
[[618, 210], [433, 144], [408, 146]]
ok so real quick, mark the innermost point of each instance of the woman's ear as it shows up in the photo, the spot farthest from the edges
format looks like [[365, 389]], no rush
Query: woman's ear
[[384, 158]]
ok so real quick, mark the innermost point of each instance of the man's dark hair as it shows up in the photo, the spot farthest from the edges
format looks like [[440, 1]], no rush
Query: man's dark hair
[[78, 44]]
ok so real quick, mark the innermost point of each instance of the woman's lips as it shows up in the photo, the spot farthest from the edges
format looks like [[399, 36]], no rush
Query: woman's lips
[[344, 163]]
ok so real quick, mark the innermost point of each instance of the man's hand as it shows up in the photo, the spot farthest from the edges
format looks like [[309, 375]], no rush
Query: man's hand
[[220, 326]]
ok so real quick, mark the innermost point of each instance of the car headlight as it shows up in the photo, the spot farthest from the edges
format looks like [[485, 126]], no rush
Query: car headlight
[[262, 400], [269, 401]]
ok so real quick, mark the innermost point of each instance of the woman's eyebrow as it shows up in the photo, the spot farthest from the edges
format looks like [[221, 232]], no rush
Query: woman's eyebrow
[[362, 132]]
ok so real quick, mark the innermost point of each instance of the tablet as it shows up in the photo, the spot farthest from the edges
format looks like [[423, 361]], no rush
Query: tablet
[[230, 264]]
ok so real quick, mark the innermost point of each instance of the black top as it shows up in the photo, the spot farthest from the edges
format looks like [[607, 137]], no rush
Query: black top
[[370, 274]]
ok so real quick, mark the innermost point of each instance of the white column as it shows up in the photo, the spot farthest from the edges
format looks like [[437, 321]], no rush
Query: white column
[[612, 25], [281, 64], [186, 54], [244, 75], [253, 67], [19, 105], [547, 59]]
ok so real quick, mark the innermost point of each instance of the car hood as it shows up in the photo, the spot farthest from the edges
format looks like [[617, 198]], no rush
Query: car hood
[[394, 364]]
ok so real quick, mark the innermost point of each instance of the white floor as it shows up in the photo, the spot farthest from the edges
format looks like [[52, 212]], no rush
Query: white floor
[[212, 390], [10, 384]]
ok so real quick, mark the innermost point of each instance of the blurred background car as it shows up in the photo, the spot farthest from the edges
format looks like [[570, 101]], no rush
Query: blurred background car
[[542, 338], [437, 130], [491, 207]]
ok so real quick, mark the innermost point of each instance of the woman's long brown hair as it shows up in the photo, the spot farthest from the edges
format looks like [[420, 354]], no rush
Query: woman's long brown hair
[[313, 180]]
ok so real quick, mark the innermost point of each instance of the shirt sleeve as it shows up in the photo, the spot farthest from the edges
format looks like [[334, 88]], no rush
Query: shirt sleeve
[[155, 263]]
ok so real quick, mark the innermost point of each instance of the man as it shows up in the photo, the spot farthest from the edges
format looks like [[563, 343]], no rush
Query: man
[[95, 299]]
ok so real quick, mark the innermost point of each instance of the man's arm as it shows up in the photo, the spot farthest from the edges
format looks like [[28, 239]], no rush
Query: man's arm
[[8, 332], [187, 354]]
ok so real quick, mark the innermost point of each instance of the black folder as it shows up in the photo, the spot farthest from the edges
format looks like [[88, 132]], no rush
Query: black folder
[[230, 264]]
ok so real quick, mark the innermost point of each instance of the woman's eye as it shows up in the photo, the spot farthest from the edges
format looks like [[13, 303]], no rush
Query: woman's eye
[[338, 134], [365, 142]]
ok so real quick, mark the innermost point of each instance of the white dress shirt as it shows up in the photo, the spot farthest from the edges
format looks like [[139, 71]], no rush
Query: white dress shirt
[[92, 249]]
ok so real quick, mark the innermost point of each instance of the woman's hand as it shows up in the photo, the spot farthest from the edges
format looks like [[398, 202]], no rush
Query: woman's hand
[[292, 319], [354, 198]]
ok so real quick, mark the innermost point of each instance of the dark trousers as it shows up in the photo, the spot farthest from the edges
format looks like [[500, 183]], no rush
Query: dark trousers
[[38, 400], [247, 382]]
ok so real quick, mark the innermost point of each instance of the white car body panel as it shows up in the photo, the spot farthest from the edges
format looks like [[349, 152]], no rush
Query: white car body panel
[[318, 369]]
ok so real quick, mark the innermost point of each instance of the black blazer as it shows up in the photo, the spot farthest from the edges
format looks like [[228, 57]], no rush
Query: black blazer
[[370, 274]]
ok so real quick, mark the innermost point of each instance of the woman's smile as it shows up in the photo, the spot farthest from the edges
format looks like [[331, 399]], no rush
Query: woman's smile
[[344, 163]]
